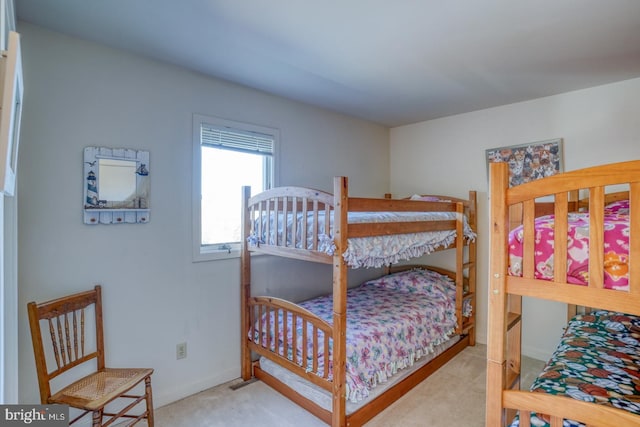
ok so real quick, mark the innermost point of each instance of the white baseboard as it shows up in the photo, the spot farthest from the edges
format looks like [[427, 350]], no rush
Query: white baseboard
[[529, 351], [173, 394], [536, 353]]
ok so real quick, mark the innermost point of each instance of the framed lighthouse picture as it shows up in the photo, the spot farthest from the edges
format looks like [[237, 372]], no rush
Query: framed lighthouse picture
[[116, 185]]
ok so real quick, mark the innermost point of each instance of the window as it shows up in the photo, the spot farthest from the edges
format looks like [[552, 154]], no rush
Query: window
[[227, 156]]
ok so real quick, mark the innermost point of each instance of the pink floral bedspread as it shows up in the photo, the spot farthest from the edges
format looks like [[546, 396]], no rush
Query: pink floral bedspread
[[616, 247], [391, 322]]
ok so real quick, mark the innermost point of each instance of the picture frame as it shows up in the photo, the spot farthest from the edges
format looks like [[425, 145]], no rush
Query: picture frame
[[116, 186], [530, 161]]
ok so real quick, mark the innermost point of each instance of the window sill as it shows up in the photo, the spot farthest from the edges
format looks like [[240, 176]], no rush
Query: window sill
[[206, 254]]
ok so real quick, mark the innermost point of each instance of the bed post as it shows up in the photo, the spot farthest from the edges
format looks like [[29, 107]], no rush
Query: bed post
[[497, 321], [340, 191], [245, 285]]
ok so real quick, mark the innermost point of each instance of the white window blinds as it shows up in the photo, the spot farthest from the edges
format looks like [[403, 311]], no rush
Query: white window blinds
[[237, 140]]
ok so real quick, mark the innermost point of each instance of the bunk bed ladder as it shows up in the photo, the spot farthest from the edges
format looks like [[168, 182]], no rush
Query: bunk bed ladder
[[459, 245], [469, 291], [465, 284]]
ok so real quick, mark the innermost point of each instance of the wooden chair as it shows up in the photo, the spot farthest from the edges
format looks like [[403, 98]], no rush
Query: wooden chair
[[65, 343]]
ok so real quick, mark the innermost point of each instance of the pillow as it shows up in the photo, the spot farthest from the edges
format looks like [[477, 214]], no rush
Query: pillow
[[621, 207], [415, 281], [617, 323], [428, 198]]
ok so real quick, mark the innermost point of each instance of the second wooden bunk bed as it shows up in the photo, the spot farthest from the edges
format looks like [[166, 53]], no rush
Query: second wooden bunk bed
[[597, 396], [269, 214]]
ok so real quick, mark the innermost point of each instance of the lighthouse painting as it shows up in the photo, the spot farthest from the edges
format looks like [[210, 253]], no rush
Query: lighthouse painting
[[92, 190]]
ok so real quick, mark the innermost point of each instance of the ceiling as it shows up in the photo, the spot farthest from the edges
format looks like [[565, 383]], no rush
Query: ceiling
[[390, 62]]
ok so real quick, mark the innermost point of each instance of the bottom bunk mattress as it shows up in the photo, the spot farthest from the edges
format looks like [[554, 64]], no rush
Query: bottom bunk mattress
[[598, 360], [392, 322]]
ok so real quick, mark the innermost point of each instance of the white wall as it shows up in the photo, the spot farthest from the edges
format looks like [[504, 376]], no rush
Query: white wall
[[598, 125], [80, 94]]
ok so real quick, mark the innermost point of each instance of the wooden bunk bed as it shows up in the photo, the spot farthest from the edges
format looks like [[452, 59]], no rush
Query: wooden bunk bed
[[268, 228], [605, 391]]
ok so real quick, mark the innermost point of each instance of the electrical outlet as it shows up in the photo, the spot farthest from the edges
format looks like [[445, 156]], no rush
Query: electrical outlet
[[181, 350]]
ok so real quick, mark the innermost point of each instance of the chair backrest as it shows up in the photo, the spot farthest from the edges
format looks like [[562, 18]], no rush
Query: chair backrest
[[69, 322]]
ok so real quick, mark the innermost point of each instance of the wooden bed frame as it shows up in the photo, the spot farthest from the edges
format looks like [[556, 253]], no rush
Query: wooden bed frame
[[505, 292], [294, 200]]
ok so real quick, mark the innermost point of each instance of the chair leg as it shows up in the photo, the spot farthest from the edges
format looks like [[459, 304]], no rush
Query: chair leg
[[147, 387], [97, 418]]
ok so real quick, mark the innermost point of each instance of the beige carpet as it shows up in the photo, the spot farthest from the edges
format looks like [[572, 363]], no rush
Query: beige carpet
[[454, 395]]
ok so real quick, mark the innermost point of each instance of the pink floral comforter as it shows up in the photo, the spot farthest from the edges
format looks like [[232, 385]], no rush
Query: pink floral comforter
[[616, 250], [391, 322]]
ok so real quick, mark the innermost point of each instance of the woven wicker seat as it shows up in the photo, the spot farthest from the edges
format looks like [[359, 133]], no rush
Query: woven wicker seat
[[71, 344]]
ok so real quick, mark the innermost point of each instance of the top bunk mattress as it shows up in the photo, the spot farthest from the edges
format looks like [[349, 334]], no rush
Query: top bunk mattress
[[616, 250], [374, 251]]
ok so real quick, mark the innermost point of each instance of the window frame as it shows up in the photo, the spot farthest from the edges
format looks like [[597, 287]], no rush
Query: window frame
[[202, 252]]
